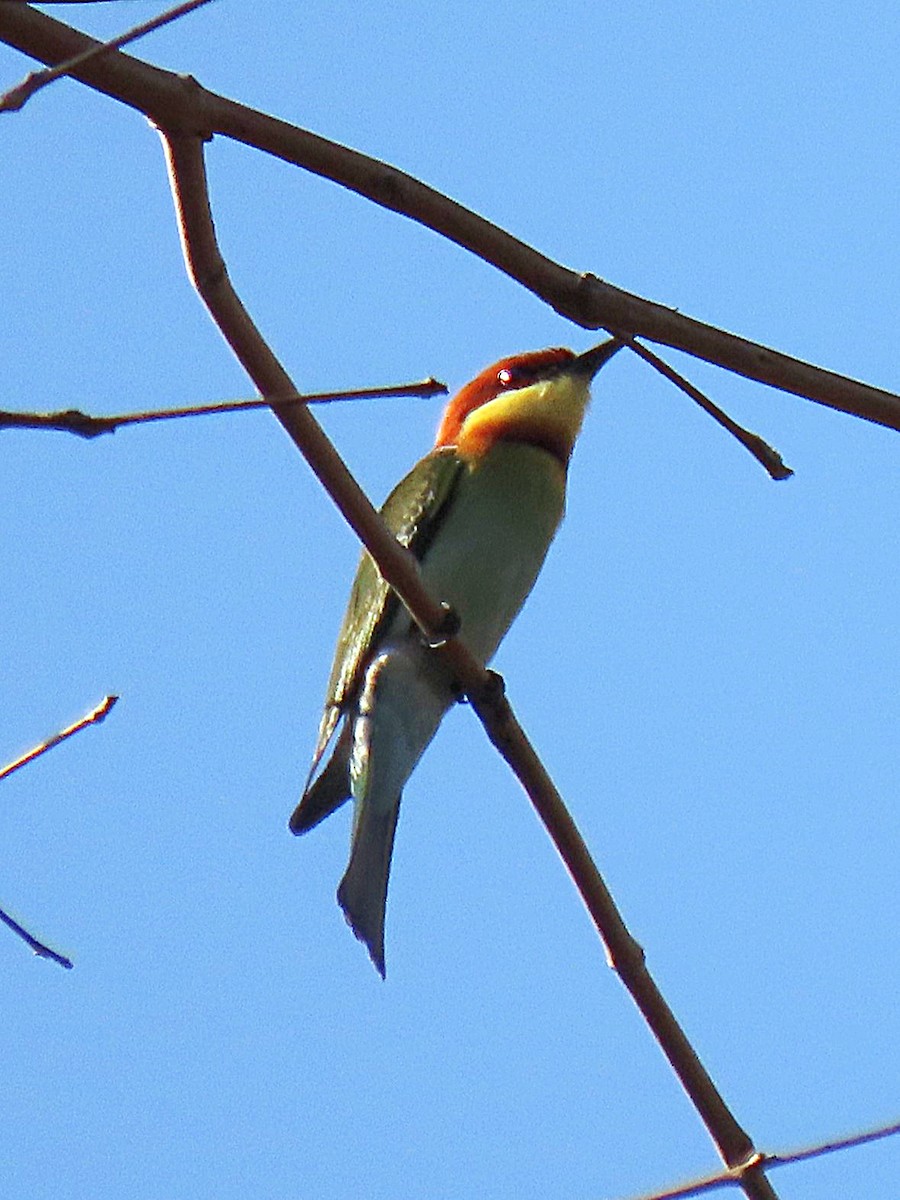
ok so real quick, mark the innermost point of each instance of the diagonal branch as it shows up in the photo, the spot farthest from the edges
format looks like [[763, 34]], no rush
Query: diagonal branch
[[94, 717], [764, 454], [184, 153], [19, 96], [38, 948], [179, 102]]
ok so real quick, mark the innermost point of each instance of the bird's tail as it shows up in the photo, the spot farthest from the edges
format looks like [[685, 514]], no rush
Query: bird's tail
[[363, 890], [398, 712], [329, 790]]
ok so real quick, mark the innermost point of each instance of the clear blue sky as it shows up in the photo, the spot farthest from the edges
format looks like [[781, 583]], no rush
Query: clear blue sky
[[709, 664]]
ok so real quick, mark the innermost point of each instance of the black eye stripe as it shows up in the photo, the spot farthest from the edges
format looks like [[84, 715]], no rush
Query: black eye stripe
[[512, 377], [535, 368]]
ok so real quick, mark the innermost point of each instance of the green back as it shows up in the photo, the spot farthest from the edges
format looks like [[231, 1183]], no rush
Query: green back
[[412, 513]]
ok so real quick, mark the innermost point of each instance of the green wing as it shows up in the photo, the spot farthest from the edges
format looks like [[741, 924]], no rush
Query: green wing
[[412, 513]]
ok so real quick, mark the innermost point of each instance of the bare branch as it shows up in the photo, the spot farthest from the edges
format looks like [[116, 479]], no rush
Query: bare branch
[[764, 454], [189, 113], [207, 270], [19, 96], [723, 1179], [179, 102], [184, 154], [831, 1147], [95, 716], [38, 947], [73, 420], [623, 953]]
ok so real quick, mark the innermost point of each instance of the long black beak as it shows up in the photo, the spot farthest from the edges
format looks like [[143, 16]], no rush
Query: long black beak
[[592, 360]]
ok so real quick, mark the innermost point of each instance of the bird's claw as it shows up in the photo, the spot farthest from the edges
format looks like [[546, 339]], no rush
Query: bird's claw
[[449, 627]]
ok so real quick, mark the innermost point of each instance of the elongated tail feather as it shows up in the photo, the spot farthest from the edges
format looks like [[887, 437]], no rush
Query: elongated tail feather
[[363, 890]]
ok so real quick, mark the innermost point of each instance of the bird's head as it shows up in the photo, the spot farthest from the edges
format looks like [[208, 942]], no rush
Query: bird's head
[[539, 398]]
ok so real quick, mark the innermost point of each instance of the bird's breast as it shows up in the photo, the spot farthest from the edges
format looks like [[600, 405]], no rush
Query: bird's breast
[[494, 538]]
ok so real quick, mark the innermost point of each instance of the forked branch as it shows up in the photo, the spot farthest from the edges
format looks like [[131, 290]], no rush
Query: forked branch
[[180, 102]]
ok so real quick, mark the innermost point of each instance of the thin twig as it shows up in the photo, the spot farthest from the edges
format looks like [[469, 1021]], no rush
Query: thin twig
[[764, 454], [832, 1147], [93, 717], [723, 1179], [96, 715], [206, 268], [39, 948], [19, 95], [180, 102], [73, 420]]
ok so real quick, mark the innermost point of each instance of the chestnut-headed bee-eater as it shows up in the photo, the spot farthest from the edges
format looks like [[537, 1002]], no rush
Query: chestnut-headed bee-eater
[[479, 513]]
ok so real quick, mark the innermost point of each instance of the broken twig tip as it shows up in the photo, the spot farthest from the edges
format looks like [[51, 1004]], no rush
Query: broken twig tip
[[46, 952], [105, 707]]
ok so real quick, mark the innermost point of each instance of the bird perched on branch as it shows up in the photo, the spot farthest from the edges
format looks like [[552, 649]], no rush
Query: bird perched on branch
[[479, 513]]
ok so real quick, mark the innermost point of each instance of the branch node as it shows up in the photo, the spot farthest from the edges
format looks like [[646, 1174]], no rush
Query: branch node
[[73, 420], [491, 692]]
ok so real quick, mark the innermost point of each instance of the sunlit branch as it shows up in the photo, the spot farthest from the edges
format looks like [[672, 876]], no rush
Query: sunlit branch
[[207, 271], [179, 102], [18, 96], [73, 420], [96, 715], [730, 1179], [764, 454], [93, 717]]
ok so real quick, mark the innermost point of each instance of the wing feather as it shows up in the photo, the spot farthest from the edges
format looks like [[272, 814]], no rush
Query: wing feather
[[412, 512]]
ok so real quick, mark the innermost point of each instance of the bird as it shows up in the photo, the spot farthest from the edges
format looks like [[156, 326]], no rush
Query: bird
[[478, 512]]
